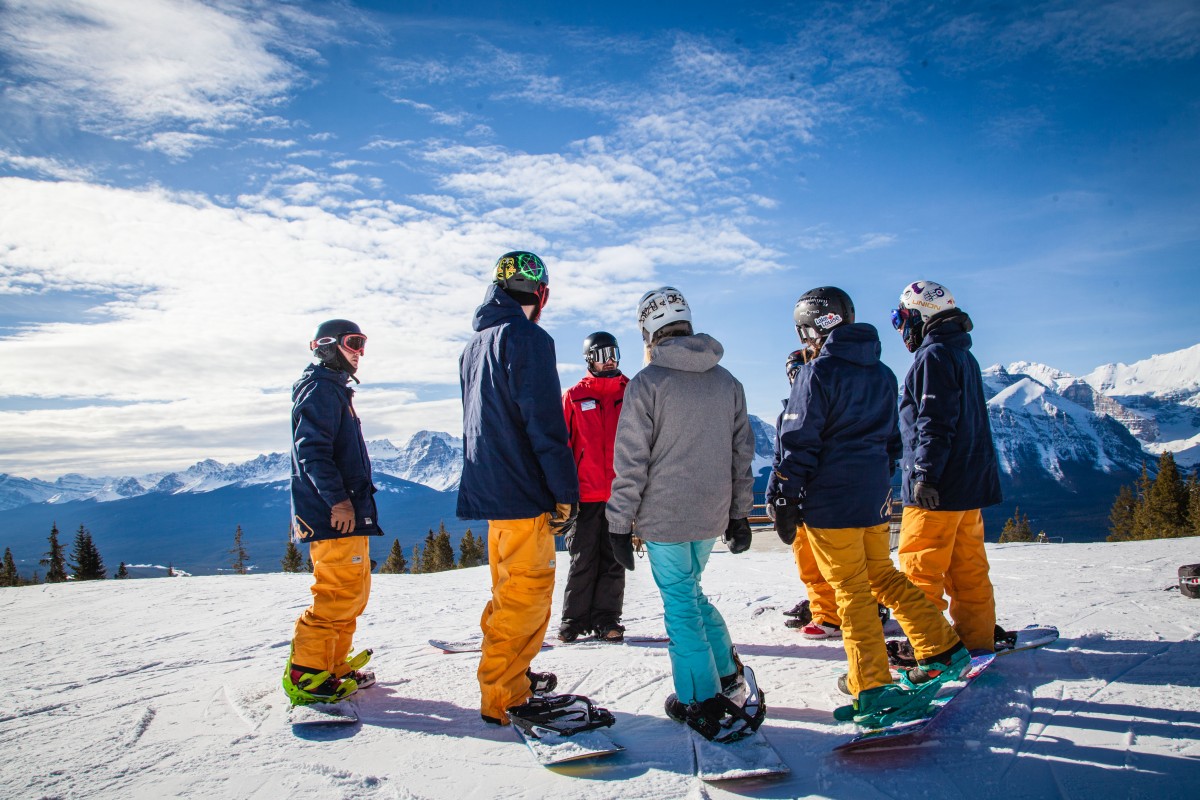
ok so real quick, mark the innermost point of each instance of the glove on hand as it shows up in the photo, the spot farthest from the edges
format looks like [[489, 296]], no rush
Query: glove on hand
[[562, 519], [925, 495], [622, 545], [342, 517], [789, 514], [738, 536]]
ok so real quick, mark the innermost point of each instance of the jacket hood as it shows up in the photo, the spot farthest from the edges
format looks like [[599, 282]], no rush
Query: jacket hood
[[857, 343], [604, 387], [950, 328], [497, 307], [318, 372], [697, 353]]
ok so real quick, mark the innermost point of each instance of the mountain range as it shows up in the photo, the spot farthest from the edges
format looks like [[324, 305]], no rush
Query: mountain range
[[1065, 443]]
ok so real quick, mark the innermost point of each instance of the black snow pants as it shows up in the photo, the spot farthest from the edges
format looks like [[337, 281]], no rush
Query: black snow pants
[[596, 584]]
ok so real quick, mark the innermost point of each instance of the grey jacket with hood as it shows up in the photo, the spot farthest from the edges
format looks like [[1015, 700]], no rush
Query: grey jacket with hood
[[684, 446]]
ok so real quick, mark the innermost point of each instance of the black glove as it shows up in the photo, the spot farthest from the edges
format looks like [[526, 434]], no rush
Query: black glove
[[925, 495], [738, 536], [562, 519], [622, 545], [789, 515]]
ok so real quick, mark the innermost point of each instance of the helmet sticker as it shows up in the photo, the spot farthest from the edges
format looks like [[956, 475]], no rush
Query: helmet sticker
[[527, 264], [828, 321]]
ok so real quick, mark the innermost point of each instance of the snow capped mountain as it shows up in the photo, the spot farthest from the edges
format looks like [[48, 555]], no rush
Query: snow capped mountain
[[431, 458], [1170, 375]]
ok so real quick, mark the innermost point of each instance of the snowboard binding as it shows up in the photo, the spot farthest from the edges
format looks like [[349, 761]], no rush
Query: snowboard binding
[[719, 719], [559, 714]]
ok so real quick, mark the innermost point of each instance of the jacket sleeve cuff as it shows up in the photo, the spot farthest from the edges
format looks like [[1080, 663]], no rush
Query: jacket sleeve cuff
[[620, 527]]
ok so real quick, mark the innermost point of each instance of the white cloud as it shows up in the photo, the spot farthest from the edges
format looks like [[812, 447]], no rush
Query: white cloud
[[50, 167], [130, 68]]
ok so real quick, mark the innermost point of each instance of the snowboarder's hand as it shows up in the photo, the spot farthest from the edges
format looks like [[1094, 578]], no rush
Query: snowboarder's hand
[[789, 515], [622, 545], [925, 495], [342, 517], [562, 519], [738, 536]]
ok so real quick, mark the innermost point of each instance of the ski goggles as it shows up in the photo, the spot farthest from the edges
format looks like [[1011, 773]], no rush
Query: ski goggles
[[600, 355], [354, 342], [904, 316]]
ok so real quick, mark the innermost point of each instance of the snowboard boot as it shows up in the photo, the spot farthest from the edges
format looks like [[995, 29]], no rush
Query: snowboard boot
[[733, 685], [801, 613], [675, 709], [354, 665], [541, 682], [947, 666], [888, 704], [610, 632], [571, 631], [884, 614], [820, 630]]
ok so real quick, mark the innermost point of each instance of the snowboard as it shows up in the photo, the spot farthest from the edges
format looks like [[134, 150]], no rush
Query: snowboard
[[909, 732], [1032, 636], [476, 645], [548, 732], [321, 714], [742, 754]]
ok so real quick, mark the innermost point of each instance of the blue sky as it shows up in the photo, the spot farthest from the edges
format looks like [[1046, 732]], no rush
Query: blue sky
[[187, 188]]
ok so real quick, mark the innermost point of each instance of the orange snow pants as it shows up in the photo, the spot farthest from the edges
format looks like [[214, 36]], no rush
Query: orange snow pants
[[341, 585], [821, 599], [942, 552], [858, 564], [521, 558]]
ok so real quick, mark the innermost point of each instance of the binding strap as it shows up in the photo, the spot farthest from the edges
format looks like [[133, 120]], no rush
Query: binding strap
[[560, 714]]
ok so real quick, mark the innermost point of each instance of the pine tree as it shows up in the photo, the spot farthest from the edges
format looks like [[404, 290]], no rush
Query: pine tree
[[87, 563], [55, 562], [429, 554], [292, 561], [1121, 517], [1017, 529], [1141, 490], [1164, 511], [394, 564], [418, 559], [1194, 505], [308, 565], [122, 572], [470, 550], [238, 552], [8, 573], [443, 550]]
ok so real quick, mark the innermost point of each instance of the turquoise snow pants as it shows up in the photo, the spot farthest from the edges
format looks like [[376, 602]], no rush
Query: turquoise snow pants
[[701, 650]]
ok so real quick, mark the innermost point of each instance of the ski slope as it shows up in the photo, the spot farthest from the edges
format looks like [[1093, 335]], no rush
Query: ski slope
[[170, 688]]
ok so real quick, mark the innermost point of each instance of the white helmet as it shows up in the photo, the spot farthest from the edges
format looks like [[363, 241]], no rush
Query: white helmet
[[926, 298], [661, 307], [919, 302]]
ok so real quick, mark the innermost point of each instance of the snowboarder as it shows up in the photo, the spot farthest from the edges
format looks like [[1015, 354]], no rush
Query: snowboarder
[[595, 588], [682, 463], [817, 617], [518, 473], [333, 509], [950, 471], [840, 442]]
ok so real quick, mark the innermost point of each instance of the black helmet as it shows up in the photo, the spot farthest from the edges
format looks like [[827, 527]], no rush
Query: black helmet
[[599, 347], [331, 333], [524, 277], [795, 360], [819, 311]]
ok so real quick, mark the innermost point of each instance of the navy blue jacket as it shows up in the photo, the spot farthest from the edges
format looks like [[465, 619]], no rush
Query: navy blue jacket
[[840, 436], [944, 420], [329, 457], [517, 463]]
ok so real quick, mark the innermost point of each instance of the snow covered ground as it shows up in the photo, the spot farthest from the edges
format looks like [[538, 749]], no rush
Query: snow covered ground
[[170, 688]]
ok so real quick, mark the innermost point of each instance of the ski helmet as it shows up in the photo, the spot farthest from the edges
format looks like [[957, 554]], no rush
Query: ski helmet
[[598, 348], [919, 302], [820, 310], [661, 307], [795, 360], [330, 334], [523, 276]]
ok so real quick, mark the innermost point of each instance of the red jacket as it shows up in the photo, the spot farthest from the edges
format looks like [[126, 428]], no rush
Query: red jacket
[[591, 408]]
